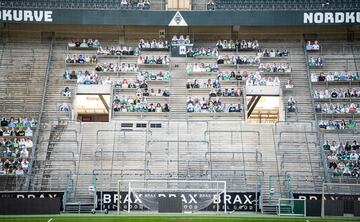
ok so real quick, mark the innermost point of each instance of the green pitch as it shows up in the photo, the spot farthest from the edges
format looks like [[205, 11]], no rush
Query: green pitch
[[167, 218]]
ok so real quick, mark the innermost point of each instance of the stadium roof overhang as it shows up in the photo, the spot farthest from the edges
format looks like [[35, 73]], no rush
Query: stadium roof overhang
[[183, 18]]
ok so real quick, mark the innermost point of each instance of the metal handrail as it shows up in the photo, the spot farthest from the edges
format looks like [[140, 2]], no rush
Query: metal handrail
[[233, 152], [294, 132], [178, 141], [121, 152], [283, 161], [276, 158], [243, 155], [259, 175], [323, 157], [234, 131], [343, 132], [309, 156], [42, 107], [309, 81], [124, 131], [258, 160], [61, 142], [300, 182], [67, 130], [289, 122], [296, 142]]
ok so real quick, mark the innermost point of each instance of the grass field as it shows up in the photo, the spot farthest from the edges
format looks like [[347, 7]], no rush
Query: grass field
[[167, 218]]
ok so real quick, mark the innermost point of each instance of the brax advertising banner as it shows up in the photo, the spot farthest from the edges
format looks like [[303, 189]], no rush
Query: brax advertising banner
[[235, 201], [348, 203], [182, 18], [317, 196], [31, 195]]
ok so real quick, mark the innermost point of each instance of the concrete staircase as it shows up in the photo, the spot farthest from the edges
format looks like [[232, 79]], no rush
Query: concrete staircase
[[54, 97], [56, 156], [270, 168], [177, 86], [302, 94], [298, 76]]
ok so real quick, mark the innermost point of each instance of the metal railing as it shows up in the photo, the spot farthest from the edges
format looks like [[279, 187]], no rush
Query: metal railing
[[140, 158], [193, 169], [42, 107], [292, 122], [232, 132], [55, 181], [323, 157], [285, 183]]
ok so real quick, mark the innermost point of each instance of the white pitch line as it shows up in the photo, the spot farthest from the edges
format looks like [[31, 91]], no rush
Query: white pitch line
[[50, 220]]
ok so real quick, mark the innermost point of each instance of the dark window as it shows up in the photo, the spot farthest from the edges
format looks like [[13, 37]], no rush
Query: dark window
[[140, 125], [155, 125], [127, 125]]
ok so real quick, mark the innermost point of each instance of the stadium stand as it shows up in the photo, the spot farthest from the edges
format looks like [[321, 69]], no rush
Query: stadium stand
[[78, 158], [16, 144], [266, 111], [153, 170]]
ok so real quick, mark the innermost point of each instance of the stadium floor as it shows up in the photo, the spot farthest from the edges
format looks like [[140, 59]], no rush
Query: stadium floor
[[164, 218]]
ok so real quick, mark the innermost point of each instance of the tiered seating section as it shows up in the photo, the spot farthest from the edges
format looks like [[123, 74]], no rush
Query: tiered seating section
[[141, 80], [16, 143], [135, 88], [149, 94], [212, 105], [213, 102], [336, 97], [139, 103], [343, 158], [140, 75], [238, 64], [336, 93]]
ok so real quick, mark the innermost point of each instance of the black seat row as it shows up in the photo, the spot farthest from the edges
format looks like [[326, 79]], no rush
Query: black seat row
[[286, 4]]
